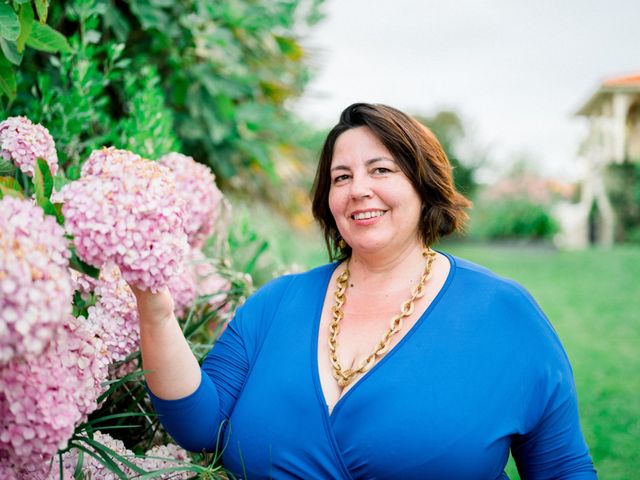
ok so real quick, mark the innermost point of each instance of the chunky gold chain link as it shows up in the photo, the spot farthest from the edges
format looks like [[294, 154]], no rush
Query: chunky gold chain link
[[346, 376]]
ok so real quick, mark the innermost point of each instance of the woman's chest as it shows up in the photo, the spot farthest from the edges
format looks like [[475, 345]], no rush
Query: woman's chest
[[352, 341]]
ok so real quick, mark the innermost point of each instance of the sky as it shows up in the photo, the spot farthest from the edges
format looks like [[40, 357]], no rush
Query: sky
[[515, 71]]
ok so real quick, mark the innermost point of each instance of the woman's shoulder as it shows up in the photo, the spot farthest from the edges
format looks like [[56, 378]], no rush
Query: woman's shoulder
[[482, 281], [298, 283], [508, 304]]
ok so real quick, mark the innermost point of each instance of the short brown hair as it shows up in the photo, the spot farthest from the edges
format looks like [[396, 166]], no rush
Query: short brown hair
[[418, 154]]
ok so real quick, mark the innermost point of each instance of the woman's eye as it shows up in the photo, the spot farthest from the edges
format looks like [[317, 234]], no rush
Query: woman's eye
[[340, 178], [382, 170]]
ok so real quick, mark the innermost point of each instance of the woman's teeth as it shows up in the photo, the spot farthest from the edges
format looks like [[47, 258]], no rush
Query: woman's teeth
[[365, 215]]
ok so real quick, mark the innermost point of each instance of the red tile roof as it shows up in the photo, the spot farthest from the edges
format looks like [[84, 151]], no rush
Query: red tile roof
[[625, 81]]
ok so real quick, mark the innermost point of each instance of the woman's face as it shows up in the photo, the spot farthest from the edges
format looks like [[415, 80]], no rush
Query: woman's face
[[375, 206]]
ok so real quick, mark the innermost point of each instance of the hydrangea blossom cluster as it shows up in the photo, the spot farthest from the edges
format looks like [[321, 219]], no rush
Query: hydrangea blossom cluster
[[91, 468], [44, 398], [167, 456], [23, 142], [200, 277], [114, 317], [202, 199], [127, 210], [209, 281], [35, 286], [183, 290]]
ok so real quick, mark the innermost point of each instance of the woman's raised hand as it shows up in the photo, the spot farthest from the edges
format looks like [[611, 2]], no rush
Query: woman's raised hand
[[154, 308], [172, 371]]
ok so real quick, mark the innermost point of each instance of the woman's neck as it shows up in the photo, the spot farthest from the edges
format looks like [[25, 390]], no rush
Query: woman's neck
[[401, 266]]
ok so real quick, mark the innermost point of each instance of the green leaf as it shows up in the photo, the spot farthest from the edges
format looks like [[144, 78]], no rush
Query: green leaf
[[9, 186], [149, 15], [43, 185], [42, 7], [101, 457], [117, 22], [106, 418], [10, 51], [46, 39], [9, 24], [60, 181], [42, 181], [6, 167], [77, 473], [81, 266], [8, 84], [107, 453], [26, 23]]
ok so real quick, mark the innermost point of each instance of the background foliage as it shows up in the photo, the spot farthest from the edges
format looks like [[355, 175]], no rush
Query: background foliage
[[512, 219], [449, 128], [623, 183], [209, 78]]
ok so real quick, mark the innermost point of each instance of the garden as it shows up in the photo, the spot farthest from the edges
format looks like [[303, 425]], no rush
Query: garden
[[150, 143]]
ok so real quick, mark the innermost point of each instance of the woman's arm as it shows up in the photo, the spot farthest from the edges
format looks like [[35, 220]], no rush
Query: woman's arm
[[172, 369], [555, 448]]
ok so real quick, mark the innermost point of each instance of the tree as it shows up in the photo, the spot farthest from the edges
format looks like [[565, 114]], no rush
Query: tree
[[448, 127]]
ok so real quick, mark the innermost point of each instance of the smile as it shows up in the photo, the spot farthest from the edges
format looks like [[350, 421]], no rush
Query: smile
[[365, 215]]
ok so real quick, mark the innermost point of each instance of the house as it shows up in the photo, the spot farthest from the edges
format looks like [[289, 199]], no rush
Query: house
[[613, 115]]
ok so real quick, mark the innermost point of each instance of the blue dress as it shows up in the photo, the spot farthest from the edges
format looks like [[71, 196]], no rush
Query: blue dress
[[481, 372]]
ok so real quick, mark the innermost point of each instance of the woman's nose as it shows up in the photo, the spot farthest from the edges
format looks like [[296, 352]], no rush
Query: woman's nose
[[360, 187]]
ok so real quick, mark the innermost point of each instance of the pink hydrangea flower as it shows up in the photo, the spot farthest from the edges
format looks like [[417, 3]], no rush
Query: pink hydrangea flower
[[209, 281], [44, 398], [109, 162], [114, 317], [202, 199], [23, 142], [127, 210], [200, 278], [92, 468], [122, 369], [183, 290], [167, 456], [35, 286]]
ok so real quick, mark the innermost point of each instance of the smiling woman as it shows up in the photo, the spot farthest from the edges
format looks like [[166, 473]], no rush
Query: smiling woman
[[395, 361]]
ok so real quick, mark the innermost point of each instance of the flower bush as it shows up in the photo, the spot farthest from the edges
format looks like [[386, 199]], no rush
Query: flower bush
[[69, 329], [35, 286]]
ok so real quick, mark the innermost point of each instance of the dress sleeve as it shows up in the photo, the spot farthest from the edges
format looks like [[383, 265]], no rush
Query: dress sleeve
[[196, 421], [552, 445]]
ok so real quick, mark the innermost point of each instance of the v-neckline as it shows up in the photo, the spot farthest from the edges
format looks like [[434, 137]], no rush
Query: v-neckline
[[316, 336]]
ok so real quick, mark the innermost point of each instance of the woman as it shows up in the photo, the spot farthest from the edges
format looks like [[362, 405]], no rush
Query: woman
[[395, 362]]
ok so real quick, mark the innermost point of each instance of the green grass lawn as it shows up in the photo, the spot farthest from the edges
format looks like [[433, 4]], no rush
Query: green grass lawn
[[593, 300]]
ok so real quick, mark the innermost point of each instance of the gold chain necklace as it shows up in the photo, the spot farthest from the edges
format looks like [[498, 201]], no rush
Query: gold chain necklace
[[346, 376]]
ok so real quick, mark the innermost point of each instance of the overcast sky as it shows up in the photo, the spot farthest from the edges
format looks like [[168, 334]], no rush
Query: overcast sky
[[516, 71]]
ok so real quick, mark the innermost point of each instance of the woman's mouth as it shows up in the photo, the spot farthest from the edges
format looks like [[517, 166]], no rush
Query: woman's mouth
[[367, 215]]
